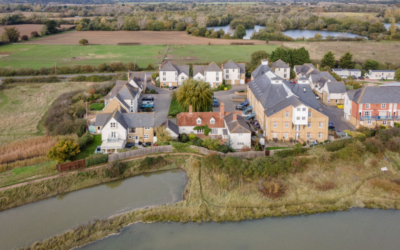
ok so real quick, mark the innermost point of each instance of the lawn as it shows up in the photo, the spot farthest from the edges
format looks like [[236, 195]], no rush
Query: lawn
[[22, 107], [28, 173], [97, 106], [174, 106], [89, 150], [215, 53], [38, 56]]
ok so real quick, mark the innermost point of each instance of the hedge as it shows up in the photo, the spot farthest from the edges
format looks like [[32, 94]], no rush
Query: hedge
[[294, 152], [96, 159]]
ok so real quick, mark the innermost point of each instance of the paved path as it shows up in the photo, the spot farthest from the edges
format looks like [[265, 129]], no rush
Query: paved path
[[87, 169]]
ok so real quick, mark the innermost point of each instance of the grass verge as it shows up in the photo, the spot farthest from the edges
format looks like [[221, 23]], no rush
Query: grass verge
[[89, 150]]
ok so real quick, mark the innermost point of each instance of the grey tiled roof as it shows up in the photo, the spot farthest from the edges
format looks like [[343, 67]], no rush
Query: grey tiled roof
[[238, 126], [307, 96], [183, 69], [267, 93], [230, 65], [120, 82], [198, 69], [280, 64], [213, 67], [172, 126], [119, 117], [351, 93], [336, 87], [303, 69], [242, 67], [260, 70], [380, 94], [102, 119], [139, 120], [138, 77], [291, 101], [354, 70], [127, 92], [169, 66]]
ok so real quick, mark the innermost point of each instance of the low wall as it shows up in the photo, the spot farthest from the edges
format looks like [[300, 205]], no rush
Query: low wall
[[139, 152], [241, 93], [248, 154]]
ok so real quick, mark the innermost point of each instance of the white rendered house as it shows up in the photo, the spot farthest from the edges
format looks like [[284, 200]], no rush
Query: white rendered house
[[209, 73], [173, 75]]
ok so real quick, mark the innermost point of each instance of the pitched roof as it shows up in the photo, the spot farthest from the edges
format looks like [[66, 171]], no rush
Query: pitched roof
[[260, 70], [303, 69], [213, 67], [230, 65], [172, 126], [354, 70], [380, 94], [336, 87], [280, 64], [138, 77], [127, 120], [237, 126], [198, 69], [291, 101], [307, 96], [183, 69], [190, 119], [169, 66], [382, 70], [125, 91], [351, 93]]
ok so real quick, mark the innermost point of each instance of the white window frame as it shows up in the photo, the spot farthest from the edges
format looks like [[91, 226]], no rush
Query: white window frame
[[145, 136], [198, 121], [309, 125], [287, 114], [304, 109], [275, 125], [309, 114], [214, 131], [286, 124], [319, 135], [240, 143], [367, 106], [113, 125], [384, 122], [369, 122], [308, 135], [146, 128], [320, 124], [286, 135], [383, 105]]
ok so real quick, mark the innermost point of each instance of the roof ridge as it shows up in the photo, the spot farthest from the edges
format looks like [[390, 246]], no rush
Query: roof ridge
[[362, 93]]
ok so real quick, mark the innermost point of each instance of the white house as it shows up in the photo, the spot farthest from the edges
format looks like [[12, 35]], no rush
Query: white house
[[281, 69], [224, 126], [209, 73], [344, 73], [379, 74], [118, 128], [173, 75], [123, 95], [234, 73]]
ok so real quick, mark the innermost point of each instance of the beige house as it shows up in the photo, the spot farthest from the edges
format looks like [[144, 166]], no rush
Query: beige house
[[234, 73]]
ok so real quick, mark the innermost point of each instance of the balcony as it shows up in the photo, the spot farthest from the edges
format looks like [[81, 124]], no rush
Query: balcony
[[379, 118], [112, 139]]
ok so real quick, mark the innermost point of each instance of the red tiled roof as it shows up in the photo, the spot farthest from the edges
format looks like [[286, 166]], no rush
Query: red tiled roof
[[187, 119]]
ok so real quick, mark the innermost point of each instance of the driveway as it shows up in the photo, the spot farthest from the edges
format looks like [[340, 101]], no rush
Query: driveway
[[226, 98], [162, 101], [336, 116]]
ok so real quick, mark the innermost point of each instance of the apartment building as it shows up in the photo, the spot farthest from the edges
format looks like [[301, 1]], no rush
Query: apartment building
[[372, 106], [379, 74], [173, 75]]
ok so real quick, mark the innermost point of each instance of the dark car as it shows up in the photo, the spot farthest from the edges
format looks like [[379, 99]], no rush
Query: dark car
[[242, 105], [173, 87], [215, 103], [331, 126], [130, 144], [361, 78], [147, 144]]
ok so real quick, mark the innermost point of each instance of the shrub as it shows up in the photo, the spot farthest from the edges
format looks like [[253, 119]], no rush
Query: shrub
[[387, 134], [179, 145], [338, 144], [34, 34], [63, 151], [184, 137], [356, 134], [152, 91], [83, 41], [24, 38], [225, 149], [85, 140], [116, 169], [192, 136], [393, 144], [374, 146], [154, 75], [294, 152], [149, 162], [211, 144], [366, 131], [96, 159]]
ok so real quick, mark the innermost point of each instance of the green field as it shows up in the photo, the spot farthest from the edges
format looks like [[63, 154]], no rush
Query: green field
[[37, 56], [214, 53]]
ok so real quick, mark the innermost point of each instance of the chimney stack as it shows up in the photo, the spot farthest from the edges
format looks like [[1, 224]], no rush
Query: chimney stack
[[190, 109], [222, 109], [235, 117], [264, 61]]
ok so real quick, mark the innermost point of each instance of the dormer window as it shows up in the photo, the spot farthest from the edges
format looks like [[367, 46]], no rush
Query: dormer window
[[198, 120], [212, 121]]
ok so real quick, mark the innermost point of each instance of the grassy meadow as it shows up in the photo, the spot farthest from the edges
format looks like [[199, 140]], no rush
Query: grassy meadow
[[22, 107]]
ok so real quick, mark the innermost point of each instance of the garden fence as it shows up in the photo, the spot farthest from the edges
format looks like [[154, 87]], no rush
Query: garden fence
[[71, 165]]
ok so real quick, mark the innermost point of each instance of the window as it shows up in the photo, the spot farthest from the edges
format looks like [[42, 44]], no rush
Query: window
[[308, 136], [309, 125], [240, 134], [227, 76], [298, 109], [183, 78], [287, 114], [112, 125], [319, 135], [145, 136], [164, 73], [98, 128], [367, 106], [132, 130], [337, 101], [164, 79], [369, 122], [284, 76], [286, 135], [240, 143], [217, 78], [298, 118], [286, 124], [130, 137], [198, 121], [113, 134], [367, 113], [146, 128], [384, 122], [200, 131], [383, 105], [212, 121], [275, 124], [320, 124], [303, 118], [304, 109], [214, 131], [309, 114]]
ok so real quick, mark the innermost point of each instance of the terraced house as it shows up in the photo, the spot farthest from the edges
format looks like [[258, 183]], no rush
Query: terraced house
[[173, 75], [372, 106], [209, 73], [234, 73], [285, 111]]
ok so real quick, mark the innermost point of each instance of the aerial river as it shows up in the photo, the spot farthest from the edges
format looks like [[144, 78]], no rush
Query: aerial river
[[24, 225]]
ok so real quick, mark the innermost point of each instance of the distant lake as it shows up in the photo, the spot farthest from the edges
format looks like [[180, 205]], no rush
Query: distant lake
[[292, 33], [387, 25]]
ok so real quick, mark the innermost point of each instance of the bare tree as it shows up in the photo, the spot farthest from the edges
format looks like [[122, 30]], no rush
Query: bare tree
[[120, 22]]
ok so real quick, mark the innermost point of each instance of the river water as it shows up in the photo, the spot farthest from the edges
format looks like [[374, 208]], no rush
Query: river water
[[357, 229], [292, 33], [387, 25], [26, 224]]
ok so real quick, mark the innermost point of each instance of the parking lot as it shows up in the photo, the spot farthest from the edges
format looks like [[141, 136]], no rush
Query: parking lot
[[162, 101], [226, 98], [336, 116]]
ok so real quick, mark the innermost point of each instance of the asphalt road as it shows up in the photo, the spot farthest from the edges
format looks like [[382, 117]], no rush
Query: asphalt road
[[162, 101], [336, 116], [226, 98]]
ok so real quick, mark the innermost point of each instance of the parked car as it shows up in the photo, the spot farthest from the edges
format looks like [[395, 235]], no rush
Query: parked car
[[130, 144], [148, 98], [215, 103], [361, 78], [146, 144], [242, 105], [146, 106], [147, 102], [331, 126], [172, 88]]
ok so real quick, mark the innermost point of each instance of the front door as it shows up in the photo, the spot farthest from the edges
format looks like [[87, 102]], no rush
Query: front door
[[170, 84], [136, 139]]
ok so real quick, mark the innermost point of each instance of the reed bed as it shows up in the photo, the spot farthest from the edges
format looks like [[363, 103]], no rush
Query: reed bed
[[23, 163], [24, 150]]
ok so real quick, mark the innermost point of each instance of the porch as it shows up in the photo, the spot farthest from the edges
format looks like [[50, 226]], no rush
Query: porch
[[111, 145]]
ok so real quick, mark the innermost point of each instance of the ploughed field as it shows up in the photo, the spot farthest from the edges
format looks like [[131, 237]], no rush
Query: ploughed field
[[142, 37], [26, 29]]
